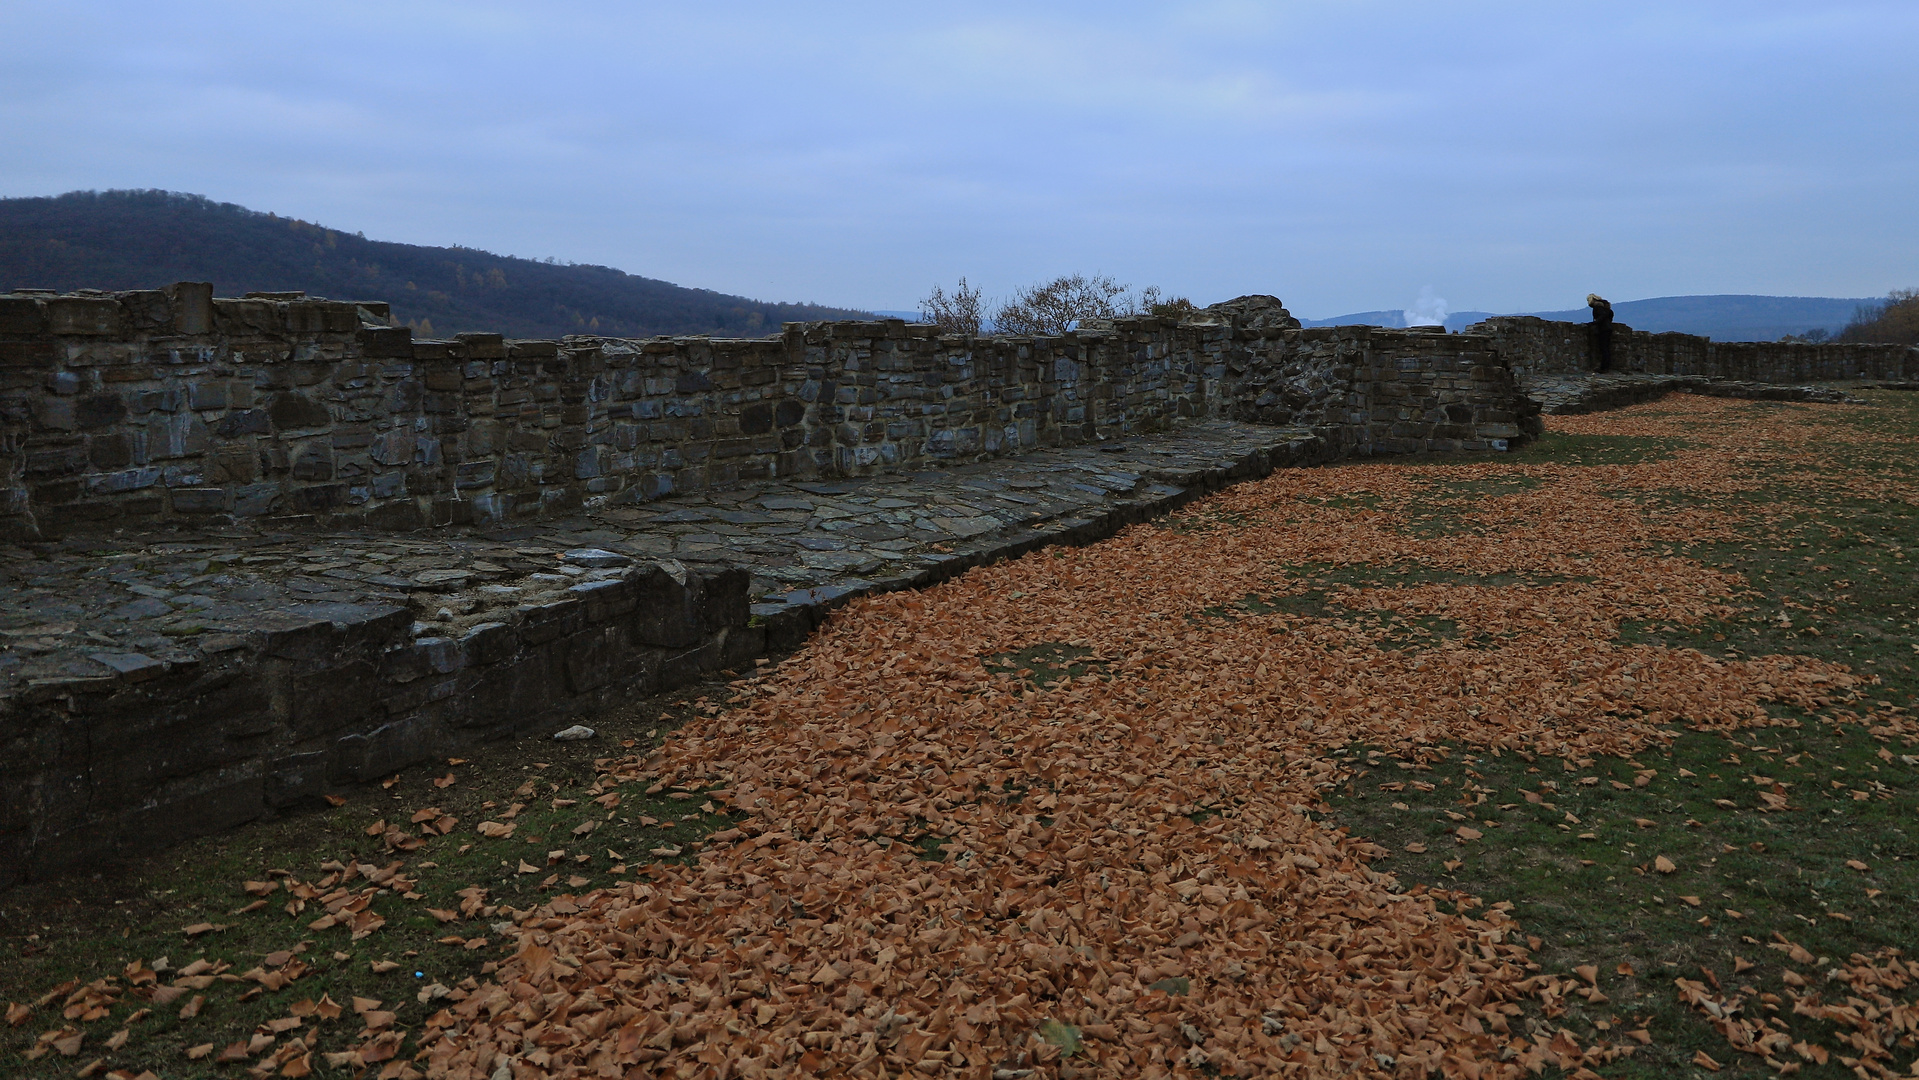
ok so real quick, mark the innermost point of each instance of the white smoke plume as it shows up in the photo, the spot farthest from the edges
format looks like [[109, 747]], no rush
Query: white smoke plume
[[1428, 310]]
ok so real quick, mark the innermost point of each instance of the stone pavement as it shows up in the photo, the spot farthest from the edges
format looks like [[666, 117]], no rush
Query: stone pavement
[[129, 606]]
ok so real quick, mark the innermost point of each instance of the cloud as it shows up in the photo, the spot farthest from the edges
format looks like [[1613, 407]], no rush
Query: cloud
[[855, 153]]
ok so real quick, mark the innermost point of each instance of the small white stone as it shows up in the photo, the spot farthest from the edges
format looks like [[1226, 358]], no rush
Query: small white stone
[[574, 733]]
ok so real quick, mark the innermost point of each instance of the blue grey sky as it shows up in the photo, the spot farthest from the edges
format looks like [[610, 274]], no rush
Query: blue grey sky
[[1342, 155]]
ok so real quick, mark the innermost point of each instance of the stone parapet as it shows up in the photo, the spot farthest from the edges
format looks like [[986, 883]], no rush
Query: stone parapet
[[173, 406], [1536, 347]]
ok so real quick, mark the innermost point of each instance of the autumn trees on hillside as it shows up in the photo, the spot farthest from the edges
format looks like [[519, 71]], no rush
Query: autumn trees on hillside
[[1896, 321]]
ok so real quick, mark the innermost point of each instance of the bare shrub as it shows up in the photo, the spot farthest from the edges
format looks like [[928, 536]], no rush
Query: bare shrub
[[1065, 302], [1049, 309], [956, 314]]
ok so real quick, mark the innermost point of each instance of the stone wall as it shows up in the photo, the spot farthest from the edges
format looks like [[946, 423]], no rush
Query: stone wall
[[326, 694], [1369, 390], [172, 406], [1535, 346], [268, 707]]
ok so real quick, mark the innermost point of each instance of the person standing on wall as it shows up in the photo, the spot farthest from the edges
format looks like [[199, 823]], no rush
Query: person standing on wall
[[1601, 331]]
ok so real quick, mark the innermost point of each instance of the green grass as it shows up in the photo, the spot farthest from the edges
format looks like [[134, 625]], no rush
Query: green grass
[[1045, 665], [1579, 866], [1830, 578], [81, 929]]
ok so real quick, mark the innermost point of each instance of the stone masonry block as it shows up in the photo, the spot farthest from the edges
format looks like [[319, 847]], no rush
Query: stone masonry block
[[22, 315], [77, 315]]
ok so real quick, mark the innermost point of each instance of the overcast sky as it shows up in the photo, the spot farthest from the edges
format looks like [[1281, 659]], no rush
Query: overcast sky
[[1341, 155]]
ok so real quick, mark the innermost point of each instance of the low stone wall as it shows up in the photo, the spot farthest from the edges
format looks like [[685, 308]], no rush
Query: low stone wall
[[326, 694], [281, 705], [173, 406], [1533, 346], [1566, 395]]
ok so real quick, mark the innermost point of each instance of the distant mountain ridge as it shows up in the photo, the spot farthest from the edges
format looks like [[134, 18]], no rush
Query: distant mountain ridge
[[147, 239], [1722, 317]]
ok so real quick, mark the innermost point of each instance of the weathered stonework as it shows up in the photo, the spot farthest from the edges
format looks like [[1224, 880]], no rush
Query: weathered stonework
[[242, 616], [173, 406], [1370, 390], [159, 686], [1534, 347]]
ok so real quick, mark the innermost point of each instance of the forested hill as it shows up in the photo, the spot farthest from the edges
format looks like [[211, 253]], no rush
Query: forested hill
[[147, 239]]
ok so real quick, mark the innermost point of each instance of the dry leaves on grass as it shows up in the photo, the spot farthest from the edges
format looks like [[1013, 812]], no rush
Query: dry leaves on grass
[[941, 868], [1862, 999], [939, 865]]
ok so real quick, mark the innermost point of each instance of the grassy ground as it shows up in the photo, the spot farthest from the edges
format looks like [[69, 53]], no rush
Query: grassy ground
[[1796, 835], [568, 835], [1790, 847]]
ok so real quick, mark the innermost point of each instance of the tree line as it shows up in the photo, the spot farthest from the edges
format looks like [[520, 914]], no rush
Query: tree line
[[1894, 321]]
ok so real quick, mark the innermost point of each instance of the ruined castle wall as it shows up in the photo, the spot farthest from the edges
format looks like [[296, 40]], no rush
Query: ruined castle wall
[[1534, 346], [1372, 390], [172, 406]]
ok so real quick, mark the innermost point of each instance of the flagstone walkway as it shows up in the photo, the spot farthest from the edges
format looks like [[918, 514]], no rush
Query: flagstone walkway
[[126, 603]]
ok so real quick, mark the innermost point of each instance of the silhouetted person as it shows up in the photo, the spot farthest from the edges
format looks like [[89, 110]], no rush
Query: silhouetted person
[[1601, 331]]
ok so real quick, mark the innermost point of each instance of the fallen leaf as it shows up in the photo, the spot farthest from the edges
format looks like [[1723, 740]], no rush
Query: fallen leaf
[[1664, 865], [1064, 1036], [1705, 1061]]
